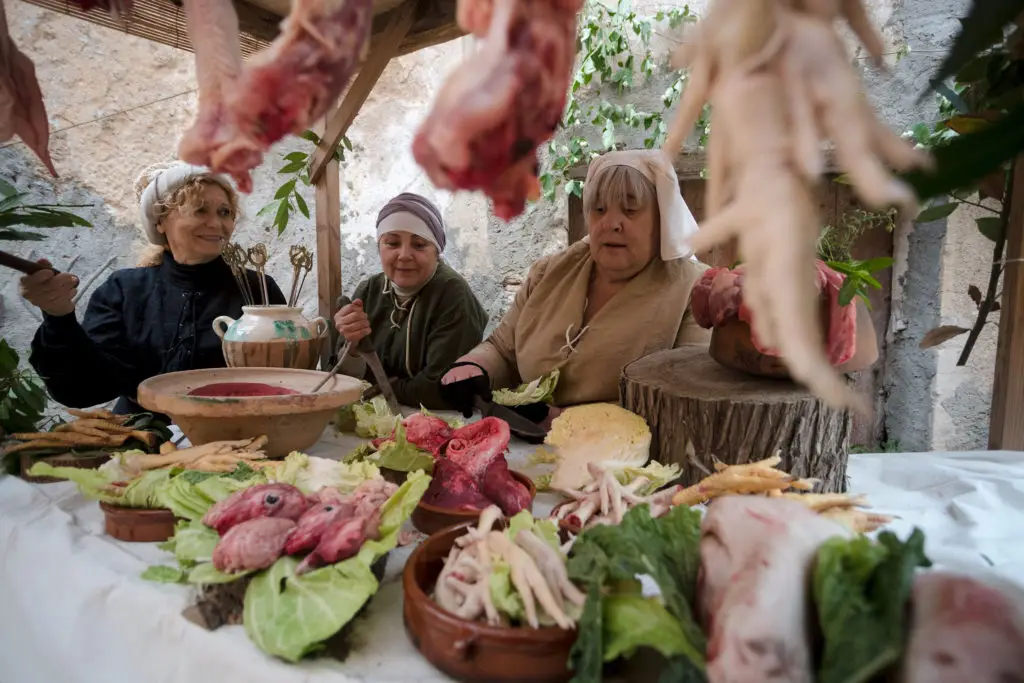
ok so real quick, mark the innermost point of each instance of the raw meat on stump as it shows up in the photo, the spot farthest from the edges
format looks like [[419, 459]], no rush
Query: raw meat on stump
[[496, 108]]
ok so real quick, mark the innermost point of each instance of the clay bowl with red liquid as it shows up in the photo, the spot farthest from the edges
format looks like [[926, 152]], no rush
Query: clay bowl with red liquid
[[469, 650], [227, 404], [430, 519]]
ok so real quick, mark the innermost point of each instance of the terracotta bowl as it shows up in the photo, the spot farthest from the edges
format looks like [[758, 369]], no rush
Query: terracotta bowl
[[430, 518], [291, 422], [469, 650], [87, 461], [302, 354], [138, 525]]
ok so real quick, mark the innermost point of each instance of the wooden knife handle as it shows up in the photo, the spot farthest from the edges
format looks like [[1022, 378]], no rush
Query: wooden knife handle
[[23, 265], [364, 345]]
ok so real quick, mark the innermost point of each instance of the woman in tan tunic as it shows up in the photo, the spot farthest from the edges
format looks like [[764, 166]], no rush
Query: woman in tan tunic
[[620, 294]]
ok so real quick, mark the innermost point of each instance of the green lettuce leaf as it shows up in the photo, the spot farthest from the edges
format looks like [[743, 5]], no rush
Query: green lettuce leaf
[[374, 419], [312, 474], [657, 475], [164, 574], [206, 573], [193, 543], [605, 558], [540, 390], [290, 616], [402, 456], [453, 422], [633, 621], [861, 589], [190, 493], [93, 484], [360, 453]]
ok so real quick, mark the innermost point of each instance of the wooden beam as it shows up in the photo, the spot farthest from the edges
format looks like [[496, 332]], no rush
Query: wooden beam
[[1006, 420], [328, 251], [381, 52], [689, 165]]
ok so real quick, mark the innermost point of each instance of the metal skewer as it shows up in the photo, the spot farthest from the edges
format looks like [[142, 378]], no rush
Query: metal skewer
[[296, 254], [337, 366], [258, 258], [307, 264]]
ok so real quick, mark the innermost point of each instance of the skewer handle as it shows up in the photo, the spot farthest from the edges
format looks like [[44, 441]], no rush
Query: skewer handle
[[23, 265]]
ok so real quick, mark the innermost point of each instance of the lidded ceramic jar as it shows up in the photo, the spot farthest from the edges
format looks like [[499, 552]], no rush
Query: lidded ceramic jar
[[271, 337]]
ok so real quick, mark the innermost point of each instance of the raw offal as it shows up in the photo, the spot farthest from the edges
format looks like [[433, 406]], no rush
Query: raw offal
[[718, 297], [427, 432], [452, 488], [475, 446], [22, 112], [240, 390], [501, 487], [255, 544], [789, 59], [341, 540], [281, 90], [266, 500], [964, 629], [311, 525], [497, 107], [756, 556]]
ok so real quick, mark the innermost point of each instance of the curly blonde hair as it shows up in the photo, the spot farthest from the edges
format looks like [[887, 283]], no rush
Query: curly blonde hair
[[187, 199]]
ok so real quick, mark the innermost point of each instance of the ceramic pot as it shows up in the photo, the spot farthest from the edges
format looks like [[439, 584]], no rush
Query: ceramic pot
[[271, 337]]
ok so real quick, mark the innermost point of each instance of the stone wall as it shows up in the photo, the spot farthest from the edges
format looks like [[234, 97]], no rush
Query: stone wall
[[118, 104]]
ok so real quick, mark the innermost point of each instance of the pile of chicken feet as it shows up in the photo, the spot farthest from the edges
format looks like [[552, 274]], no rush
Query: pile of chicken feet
[[765, 160]]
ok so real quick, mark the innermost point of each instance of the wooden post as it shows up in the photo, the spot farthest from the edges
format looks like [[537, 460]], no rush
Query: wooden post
[[328, 251], [699, 411], [577, 225], [1006, 422]]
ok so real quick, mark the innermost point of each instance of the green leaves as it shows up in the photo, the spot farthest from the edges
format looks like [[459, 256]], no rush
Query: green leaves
[[23, 398], [287, 198], [991, 227], [15, 211], [936, 212], [859, 277], [980, 29], [966, 159]]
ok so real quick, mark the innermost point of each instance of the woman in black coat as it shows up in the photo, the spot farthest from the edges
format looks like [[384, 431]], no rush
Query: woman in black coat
[[149, 320]]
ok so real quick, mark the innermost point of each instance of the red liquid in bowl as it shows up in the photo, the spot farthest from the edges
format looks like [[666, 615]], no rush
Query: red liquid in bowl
[[240, 390]]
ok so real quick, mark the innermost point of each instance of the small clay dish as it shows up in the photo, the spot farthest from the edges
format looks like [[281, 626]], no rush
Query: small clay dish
[[430, 518], [138, 525], [473, 651], [87, 461]]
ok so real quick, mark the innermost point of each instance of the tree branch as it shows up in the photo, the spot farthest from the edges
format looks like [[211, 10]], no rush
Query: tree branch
[[972, 203], [995, 271]]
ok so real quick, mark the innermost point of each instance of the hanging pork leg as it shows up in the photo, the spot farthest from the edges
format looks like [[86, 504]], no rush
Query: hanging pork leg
[[497, 107], [22, 112]]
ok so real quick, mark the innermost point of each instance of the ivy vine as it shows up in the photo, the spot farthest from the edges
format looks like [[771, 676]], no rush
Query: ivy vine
[[615, 56]]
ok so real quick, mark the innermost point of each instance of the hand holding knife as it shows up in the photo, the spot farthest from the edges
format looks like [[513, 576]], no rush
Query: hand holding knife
[[364, 349]]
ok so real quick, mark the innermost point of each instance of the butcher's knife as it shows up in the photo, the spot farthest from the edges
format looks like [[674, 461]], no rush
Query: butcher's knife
[[23, 265], [365, 350], [526, 430]]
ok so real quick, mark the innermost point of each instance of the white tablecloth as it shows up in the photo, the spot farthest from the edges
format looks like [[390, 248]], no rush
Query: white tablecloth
[[73, 608]]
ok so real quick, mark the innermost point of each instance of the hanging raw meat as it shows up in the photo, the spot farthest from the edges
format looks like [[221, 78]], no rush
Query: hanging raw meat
[[22, 112], [497, 107], [284, 89], [764, 161]]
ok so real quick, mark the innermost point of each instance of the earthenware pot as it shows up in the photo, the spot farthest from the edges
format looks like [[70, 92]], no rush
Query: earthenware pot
[[271, 337], [471, 650], [291, 422], [430, 518], [138, 525]]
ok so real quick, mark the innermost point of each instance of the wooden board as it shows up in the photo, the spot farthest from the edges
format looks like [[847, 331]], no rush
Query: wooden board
[[328, 252], [699, 411], [1006, 424]]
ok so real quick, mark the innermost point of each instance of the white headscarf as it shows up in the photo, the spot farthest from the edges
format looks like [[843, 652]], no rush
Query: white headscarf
[[677, 222], [156, 184]]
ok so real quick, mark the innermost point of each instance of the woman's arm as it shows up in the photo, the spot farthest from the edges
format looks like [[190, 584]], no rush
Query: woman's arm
[[457, 325], [86, 364], [691, 333]]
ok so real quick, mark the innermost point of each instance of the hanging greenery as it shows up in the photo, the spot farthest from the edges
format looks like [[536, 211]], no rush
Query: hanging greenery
[[615, 59], [23, 398], [16, 210]]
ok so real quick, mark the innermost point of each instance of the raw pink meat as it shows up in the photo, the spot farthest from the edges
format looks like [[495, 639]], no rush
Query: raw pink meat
[[964, 629], [756, 555], [451, 487], [475, 446], [265, 500], [22, 111], [496, 108], [341, 540], [312, 524], [251, 545], [505, 490], [427, 432], [283, 89], [718, 296]]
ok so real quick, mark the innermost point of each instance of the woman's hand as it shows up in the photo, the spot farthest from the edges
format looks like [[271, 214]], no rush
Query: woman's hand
[[352, 322], [460, 373], [462, 384], [53, 293]]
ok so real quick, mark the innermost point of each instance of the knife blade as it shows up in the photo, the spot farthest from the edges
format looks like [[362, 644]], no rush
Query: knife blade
[[525, 429]]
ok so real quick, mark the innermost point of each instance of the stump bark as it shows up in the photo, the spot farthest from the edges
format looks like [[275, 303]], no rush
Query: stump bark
[[699, 411]]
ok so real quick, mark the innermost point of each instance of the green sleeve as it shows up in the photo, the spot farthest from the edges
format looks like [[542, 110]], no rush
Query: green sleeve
[[454, 328]]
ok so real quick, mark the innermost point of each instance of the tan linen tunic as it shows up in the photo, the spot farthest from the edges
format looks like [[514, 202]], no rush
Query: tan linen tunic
[[542, 329]]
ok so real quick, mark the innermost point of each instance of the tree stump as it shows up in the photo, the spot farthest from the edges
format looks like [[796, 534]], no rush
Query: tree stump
[[699, 411]]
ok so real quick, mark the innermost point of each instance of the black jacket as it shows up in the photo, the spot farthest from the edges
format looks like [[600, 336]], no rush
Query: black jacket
[[140, 323]]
